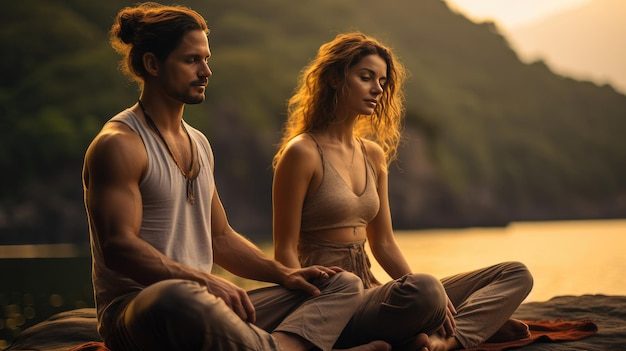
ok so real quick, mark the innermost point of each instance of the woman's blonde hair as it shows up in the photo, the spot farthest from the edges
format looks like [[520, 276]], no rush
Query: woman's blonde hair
[[314, 103]]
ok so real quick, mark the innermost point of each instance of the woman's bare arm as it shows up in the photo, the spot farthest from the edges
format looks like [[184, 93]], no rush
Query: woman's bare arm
[[292, 179], [380, 230]]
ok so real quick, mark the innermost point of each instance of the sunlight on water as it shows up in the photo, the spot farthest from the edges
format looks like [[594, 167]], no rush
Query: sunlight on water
[[565, 258], [37, 251]]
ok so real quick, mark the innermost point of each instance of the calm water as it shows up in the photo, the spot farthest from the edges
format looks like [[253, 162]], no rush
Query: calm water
[[566, 258]]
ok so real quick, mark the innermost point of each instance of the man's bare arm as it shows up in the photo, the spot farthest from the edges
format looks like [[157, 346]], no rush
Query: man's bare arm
[[114, 165]]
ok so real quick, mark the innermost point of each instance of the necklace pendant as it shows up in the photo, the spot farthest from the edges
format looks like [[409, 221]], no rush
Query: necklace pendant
[[354, 231], [190, 193]]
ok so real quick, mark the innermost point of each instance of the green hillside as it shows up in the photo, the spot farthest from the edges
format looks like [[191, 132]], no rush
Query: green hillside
[[488, 139]]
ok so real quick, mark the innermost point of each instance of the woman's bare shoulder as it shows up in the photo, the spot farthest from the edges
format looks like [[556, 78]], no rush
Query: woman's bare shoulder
[[374, 151], [301, 145], [301, 155]]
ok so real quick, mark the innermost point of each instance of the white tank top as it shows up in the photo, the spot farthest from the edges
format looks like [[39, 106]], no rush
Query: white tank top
[[178, 229]]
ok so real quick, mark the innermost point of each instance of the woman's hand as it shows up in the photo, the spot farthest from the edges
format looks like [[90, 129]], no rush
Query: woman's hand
[[299, 279], [448, 329]]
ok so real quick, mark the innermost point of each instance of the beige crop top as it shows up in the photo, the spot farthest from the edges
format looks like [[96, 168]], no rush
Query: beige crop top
[[335, 205]]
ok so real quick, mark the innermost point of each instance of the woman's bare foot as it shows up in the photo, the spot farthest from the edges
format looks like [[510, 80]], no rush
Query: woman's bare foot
[[512, 329], [377, 345], [422, 343], [439, 343]]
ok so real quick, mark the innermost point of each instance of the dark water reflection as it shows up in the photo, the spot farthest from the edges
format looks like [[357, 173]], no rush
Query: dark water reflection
[[33, 289]]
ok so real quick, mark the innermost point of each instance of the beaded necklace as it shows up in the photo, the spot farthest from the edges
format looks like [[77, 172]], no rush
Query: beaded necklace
[[188, 174]]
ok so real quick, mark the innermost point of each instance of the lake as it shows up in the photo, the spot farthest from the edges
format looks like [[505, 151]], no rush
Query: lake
[[565, 258]]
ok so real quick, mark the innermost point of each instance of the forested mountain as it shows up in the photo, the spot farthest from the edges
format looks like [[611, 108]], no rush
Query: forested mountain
[[488, 139]]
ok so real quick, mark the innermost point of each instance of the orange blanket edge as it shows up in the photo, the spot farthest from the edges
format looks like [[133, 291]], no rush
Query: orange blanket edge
[[545, 331], [90, 346]]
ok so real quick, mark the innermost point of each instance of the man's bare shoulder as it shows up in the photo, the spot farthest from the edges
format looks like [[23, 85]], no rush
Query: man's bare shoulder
[[116, 149], [116, 137]]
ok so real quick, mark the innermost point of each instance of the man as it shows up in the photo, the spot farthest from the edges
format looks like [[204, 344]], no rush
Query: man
[[157, 224]]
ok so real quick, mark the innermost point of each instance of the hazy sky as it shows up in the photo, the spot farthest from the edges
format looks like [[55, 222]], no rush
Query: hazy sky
[[511, 13], [580, 44]]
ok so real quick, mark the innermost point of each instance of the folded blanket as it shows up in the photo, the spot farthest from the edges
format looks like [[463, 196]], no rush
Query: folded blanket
[[545, 331]]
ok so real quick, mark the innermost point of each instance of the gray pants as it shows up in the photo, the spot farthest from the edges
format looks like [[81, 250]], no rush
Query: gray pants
[[486, 298], [182, 315], [416, 303]]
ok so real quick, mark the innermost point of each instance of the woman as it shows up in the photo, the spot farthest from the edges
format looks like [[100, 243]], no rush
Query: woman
[[330, 197]]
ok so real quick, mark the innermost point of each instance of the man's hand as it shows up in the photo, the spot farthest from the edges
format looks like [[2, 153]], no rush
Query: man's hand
[[235, 297], [299, 279]]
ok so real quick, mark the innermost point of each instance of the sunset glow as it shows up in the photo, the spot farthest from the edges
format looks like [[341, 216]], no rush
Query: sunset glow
[[511, 13]]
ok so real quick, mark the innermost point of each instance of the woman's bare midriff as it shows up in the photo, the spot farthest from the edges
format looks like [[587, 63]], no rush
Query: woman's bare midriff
[[344, 235]]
